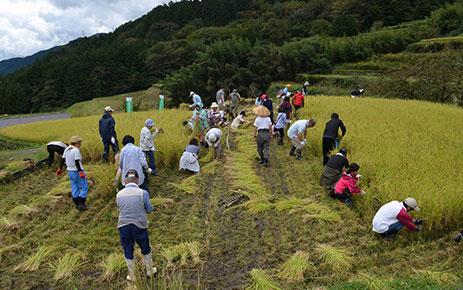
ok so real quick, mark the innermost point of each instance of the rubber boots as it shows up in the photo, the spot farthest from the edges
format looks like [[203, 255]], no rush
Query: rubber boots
[[293, 148], [280, 141], [150, 270], [76, 202], [131, 267], [299, 155], [82, 205]]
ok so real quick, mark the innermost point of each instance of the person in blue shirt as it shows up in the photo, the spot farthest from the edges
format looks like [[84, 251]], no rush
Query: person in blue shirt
[[134, 203], [196, 100]]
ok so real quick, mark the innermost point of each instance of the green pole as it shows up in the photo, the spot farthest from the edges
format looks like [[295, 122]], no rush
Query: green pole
[[129, 105], [161, 102]]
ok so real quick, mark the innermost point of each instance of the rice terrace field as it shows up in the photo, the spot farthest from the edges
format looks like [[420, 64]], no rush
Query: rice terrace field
[[283, 233]]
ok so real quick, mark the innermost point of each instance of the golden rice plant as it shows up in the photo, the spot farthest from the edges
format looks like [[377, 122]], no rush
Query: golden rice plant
[[112, 265], [336, 259], [24, 210], [195, 250], [34, 261], [440, 277], [295, 268], [66, 266], [161, 202], [260, 280], [323, 217]]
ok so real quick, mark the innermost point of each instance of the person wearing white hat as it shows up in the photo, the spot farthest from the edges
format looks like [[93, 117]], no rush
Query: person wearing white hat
[[108, 133], [196, 100], [147, 143], [213, 138], [393, 216], [213, 115]]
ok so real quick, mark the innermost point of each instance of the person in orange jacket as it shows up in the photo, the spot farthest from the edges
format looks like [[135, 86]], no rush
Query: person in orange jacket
[[298, 101]]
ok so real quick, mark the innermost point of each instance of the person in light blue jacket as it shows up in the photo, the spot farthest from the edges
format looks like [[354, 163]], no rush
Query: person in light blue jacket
[[196, 100], [132, 157]]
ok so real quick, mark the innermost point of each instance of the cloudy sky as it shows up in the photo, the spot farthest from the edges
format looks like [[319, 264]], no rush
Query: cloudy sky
[[28, 26]]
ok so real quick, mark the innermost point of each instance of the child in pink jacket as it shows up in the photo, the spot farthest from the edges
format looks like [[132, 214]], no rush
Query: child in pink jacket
[[347, 185]]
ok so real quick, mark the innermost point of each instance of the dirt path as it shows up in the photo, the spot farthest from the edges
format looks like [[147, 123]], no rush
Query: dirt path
[[6, 122]]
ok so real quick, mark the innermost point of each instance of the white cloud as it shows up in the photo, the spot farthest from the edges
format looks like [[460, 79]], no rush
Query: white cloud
[[28, 26]]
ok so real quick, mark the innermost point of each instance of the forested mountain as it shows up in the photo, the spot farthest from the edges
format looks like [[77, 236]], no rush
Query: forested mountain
[[199, 45], [11, 65]]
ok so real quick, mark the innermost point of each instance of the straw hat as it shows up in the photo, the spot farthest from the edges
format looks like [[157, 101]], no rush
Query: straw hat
[[75, 139], [261, 111]]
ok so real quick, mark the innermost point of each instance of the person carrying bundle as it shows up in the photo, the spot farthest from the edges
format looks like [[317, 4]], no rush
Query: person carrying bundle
[[347, 185], [330, 135], [333, 169], [393, 216]]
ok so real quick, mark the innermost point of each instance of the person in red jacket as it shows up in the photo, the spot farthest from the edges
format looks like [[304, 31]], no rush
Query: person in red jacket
[[298, 101], [347, 185]]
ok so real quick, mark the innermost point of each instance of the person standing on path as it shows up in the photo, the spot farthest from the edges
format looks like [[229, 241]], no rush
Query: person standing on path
[[263, 133], [76, 173], [235, 98], [266, 102], [280, 125], [298, 102], [147, 143], [286, 107], [393, 216], [330, 135], [220, 97], [347, 185], [200, 115], [55, 147], [133, 158], [305, 88], [108, 133], [196, 100], [298, 135], [333, 169], [134, 203], [213, 138]]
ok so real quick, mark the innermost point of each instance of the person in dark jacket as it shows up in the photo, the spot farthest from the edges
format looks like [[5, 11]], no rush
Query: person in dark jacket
[[266, 102], [357, 93], [330, 135], [55, 147], [108, 133], [333, 169]]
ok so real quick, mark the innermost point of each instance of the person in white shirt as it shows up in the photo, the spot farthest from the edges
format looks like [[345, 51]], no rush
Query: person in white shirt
[[239, 121], [213, 138], [73, 160], [147, 143], [55, 147], [295, 133], [263, 134]]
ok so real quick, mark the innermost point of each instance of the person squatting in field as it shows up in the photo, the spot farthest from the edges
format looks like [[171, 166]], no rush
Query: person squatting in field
[[55, 147], [330, 135], [393, 216], [333, 170], [213, 138], [263, 133], [76, 173], [280, 125], [347, 185], [189, 160], [134, 203], [108, 133], [239, 121], [147, 143], [133, 158], [297, 133], [200, 115]]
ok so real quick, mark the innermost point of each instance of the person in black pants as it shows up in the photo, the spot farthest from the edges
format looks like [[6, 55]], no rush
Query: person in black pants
[[55, 147], [269, 105], [331, 134], [332, 172]]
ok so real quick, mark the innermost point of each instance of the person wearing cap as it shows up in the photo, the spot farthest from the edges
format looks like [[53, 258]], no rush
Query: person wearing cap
[[220, 98], [134, 203], [297, 133], [286, 89], [347, 185], [333, 169], [200, 115], [239, 121], [305, 86], [263, 133], [393, 216], [266, 102], [234, 100], [298, 101], [357, 93], [133, 158], [213, 115], [196, 100], [147, 143], [330, 135], [108, 133], [76, 173], [280, 125], [189, 160], [213, 138], [55, 147]]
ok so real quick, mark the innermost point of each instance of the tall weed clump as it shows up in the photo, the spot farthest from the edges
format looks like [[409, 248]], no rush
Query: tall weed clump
[[404, 148]]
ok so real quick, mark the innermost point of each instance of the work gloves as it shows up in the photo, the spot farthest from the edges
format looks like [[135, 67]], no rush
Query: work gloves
[[81, 174], [363, 192], [303, 143], [59, 171], [113, 140], [418, 222], [149, 170]]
